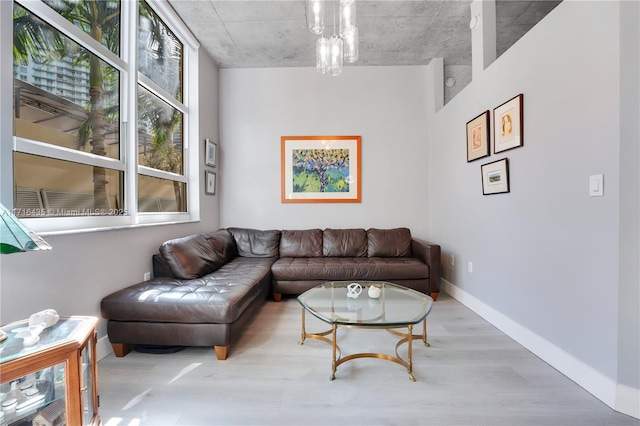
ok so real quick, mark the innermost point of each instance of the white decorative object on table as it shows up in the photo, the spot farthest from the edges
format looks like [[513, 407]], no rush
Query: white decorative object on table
[[354, 290], [374, 292], [37, 322], [30, 334], [49, 317]]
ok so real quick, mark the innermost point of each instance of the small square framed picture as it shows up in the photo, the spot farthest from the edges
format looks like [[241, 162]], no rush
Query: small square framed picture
[[210, 152], [210, 183], [495, 177]]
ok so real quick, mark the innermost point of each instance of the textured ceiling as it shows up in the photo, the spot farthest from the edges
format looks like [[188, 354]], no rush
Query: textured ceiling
[[273, 33]]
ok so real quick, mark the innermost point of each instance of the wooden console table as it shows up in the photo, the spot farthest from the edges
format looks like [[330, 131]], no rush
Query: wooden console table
[[55, 377]]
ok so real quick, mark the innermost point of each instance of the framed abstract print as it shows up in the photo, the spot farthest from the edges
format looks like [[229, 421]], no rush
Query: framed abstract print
[[320, 169]]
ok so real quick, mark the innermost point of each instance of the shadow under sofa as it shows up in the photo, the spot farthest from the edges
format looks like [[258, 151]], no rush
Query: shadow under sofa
[[206, 287]]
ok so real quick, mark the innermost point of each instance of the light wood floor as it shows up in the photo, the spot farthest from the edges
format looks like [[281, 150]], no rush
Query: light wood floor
[[471, 375]]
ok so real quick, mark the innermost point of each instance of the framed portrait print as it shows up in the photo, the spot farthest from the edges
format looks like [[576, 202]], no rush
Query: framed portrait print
[[495, 177], [320, 169], [478, 137], [507, 125], [210, 152], [209, 183]]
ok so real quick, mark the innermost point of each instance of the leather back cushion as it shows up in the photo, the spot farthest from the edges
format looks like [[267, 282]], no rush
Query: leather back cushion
[[344, 243], [256, 243], [190, 257], [389, 242], [223, 243], [305, 243], [160, 267]]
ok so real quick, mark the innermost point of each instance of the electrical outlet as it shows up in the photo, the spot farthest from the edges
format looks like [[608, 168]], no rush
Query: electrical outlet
[[452, 260], [147, 276], [470, 267]]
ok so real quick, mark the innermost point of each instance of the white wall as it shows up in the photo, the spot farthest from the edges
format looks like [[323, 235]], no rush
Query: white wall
[[546, 255], [384, 105], [83, 268], [628, 313]]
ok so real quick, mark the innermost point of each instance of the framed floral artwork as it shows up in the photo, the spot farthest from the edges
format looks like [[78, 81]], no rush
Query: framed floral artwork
[[320, 169], [478, 137], [508, 125]]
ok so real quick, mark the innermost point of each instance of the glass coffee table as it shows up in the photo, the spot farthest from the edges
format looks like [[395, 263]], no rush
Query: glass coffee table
[[348, 304]]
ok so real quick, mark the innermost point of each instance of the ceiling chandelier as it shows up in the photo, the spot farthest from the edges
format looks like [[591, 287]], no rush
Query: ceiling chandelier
[[331, 51]]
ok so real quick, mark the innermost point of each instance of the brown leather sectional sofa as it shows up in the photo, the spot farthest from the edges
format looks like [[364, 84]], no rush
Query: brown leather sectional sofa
[[207, 286]]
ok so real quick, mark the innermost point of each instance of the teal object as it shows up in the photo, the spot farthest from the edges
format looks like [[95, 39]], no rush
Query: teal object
[[16, 237]]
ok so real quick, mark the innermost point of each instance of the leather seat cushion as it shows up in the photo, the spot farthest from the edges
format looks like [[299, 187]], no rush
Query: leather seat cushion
[[220, 297], [349, 268]]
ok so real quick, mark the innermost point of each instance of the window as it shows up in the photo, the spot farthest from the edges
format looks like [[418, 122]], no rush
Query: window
[[95, 139]]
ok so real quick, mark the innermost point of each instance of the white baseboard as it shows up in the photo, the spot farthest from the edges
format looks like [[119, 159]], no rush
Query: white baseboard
[[628, 401], [621, 398], [103, 348]]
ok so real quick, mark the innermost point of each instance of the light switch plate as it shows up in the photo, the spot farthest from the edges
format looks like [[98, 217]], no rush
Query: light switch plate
[[596, 185]]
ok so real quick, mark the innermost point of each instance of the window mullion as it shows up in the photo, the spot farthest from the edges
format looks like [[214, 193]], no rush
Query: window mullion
[[192, 132], [6, 114], [130, 117], [148, 171], [154, 88], [43, 149]]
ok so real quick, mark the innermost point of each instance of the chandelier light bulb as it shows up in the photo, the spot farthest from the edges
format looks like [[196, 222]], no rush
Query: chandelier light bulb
[[335, 55], [351, 45], [315, 16], [322, 55], [347, 15], [343, 45]]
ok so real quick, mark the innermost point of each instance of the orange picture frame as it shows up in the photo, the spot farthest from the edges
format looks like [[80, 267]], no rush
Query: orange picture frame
[[321, 169]]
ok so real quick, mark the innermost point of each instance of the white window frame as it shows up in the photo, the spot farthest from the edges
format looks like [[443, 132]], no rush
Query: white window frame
[[126, 64]]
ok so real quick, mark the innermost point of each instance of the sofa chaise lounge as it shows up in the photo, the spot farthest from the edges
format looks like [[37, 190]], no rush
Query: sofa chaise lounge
[[206, 287]]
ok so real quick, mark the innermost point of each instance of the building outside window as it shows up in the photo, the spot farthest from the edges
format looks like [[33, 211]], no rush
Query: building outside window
[[95, 139]]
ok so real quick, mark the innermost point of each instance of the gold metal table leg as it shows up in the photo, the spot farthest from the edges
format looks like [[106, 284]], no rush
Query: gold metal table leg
[[334, 350], [410, 353], [424, 333], [304, 333]]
